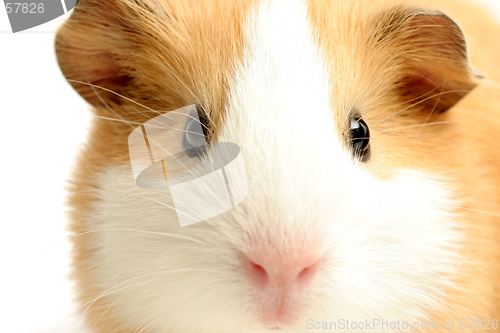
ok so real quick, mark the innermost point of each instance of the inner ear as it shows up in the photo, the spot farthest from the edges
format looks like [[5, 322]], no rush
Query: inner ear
[[433, 91], [435, 73]]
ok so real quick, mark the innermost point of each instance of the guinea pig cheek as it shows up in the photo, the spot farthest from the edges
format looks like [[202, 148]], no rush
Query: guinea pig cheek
[[403, 245]]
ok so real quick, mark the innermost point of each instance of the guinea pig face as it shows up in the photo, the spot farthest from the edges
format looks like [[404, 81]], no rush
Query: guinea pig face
[[347, 216]]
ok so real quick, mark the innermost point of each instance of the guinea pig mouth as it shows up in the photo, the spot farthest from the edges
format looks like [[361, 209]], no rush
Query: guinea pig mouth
[[274, 328], [278, 317]]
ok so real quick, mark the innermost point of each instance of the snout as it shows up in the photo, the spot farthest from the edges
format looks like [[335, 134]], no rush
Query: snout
[[280, 276], [286, 274]]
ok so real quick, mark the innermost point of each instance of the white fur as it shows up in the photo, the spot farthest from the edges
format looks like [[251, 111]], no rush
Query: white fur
[[387, 246]]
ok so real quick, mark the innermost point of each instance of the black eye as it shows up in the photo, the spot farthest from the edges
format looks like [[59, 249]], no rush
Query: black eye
[[360, 137], [194, 136]]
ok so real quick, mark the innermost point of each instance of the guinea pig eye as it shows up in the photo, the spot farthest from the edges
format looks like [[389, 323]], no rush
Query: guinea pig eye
[[360, 137], [194, 134], [194, 138]]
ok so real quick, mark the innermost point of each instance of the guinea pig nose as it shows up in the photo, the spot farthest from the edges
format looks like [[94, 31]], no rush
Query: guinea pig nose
[[286, 273]]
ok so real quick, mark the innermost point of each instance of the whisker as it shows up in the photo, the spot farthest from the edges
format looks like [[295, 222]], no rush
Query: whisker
[[178, 80], [192, 118], [359, 95], [113, 92], [423, 101], [437, 123], [163, 126], [114, 112], [173, 208], [84, 191], [415, 98], [149, 125], [118, 229], [109, 307], [147, 115], [414, 288], [108, 107], [109, 292], [489, 277], [378, 79], [130, 122], [429, 116], [179, 298], [92, 302], [442, 93], [478, 211]]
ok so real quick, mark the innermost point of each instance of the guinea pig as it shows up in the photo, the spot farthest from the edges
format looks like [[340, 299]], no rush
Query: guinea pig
[[368, 133]]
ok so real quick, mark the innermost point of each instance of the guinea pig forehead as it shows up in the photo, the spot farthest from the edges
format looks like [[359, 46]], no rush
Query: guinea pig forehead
[[281, 87]]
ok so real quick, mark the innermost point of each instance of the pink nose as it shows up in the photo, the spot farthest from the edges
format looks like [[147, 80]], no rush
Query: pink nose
[[287, 273]]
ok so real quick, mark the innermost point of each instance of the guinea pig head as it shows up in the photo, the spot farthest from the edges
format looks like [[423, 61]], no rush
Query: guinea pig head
[[339, 109]]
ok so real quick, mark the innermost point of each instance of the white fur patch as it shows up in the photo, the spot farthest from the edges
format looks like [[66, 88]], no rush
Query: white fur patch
[[387, 246]]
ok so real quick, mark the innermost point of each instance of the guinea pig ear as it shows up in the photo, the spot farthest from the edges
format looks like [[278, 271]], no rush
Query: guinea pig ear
[[92, 47], [433, 56]]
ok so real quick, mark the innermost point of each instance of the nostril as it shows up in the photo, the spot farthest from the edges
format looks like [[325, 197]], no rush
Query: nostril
[[258, 268], [257, 272], [306, 274]]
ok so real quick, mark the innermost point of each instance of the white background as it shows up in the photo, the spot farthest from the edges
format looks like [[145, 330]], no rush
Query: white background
[[43, 123]]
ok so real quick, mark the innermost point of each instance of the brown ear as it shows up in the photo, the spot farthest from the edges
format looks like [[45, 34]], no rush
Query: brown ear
[[433, 60], [91, 47]]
